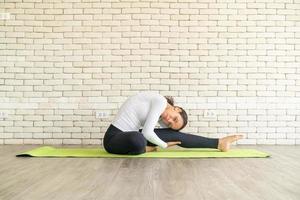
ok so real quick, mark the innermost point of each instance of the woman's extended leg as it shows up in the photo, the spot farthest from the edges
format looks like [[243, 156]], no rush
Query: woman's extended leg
[[187, 140], [194, 141]]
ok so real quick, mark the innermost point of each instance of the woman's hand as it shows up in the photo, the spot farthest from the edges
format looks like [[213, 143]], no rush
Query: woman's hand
[[173, 143]]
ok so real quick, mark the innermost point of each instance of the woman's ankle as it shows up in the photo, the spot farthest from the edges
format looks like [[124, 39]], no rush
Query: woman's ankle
[[224, 143]]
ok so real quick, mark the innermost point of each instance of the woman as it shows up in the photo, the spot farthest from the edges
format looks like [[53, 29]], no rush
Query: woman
[[145, 109]]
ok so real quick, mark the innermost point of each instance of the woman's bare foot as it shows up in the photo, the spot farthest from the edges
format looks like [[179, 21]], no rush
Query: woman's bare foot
[[224, 143], [151, 148]]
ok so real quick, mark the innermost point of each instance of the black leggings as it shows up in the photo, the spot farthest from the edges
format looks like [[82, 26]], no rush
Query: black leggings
[[133, 142]]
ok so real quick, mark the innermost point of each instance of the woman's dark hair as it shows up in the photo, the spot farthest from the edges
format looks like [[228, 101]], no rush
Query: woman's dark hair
[[183, 114]]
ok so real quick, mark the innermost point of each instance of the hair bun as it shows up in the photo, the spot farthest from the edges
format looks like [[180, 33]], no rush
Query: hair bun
[[170, 100]]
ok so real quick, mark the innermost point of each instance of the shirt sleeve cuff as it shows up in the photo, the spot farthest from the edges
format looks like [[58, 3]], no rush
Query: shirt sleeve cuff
[[164, 145]]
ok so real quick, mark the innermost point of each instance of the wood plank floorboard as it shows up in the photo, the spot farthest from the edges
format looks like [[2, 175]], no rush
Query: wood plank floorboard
[[272, 178]]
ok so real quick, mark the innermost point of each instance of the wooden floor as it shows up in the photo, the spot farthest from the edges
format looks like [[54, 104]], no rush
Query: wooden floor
[[272, 178]]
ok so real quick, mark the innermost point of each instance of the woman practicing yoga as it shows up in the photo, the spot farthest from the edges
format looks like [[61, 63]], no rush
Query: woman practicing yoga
[[145, 109]]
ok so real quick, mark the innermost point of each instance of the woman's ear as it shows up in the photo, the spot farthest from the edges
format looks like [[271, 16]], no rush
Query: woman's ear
[[177, 109]]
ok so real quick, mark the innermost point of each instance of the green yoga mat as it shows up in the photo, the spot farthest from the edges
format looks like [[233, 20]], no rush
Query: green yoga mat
[[48, 151]]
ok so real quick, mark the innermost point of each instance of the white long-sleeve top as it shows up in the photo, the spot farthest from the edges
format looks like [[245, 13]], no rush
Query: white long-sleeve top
[[142, 110]]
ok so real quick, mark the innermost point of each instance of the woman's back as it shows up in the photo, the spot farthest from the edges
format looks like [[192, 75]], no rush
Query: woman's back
[[134, 111]]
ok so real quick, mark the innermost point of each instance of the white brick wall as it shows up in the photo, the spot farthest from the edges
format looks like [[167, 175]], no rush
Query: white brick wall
[[61, 62]]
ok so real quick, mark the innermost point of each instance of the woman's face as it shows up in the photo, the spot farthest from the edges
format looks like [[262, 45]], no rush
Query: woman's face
[[172, 118]]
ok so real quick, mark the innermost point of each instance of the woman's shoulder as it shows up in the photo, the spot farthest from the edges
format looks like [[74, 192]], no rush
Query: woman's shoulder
[[152, 96], [151, 93]]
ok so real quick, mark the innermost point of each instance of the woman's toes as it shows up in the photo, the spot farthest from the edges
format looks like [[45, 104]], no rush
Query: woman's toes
[[233, 138], [239, 136]]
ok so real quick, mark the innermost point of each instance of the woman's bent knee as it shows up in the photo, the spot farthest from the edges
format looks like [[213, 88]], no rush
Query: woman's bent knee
[[137, 143], [132, 143]]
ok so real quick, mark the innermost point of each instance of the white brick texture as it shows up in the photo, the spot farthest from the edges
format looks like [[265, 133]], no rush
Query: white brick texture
[[62, 62]]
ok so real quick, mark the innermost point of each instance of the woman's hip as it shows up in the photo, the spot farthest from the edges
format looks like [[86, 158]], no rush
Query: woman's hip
[[110, 133]]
